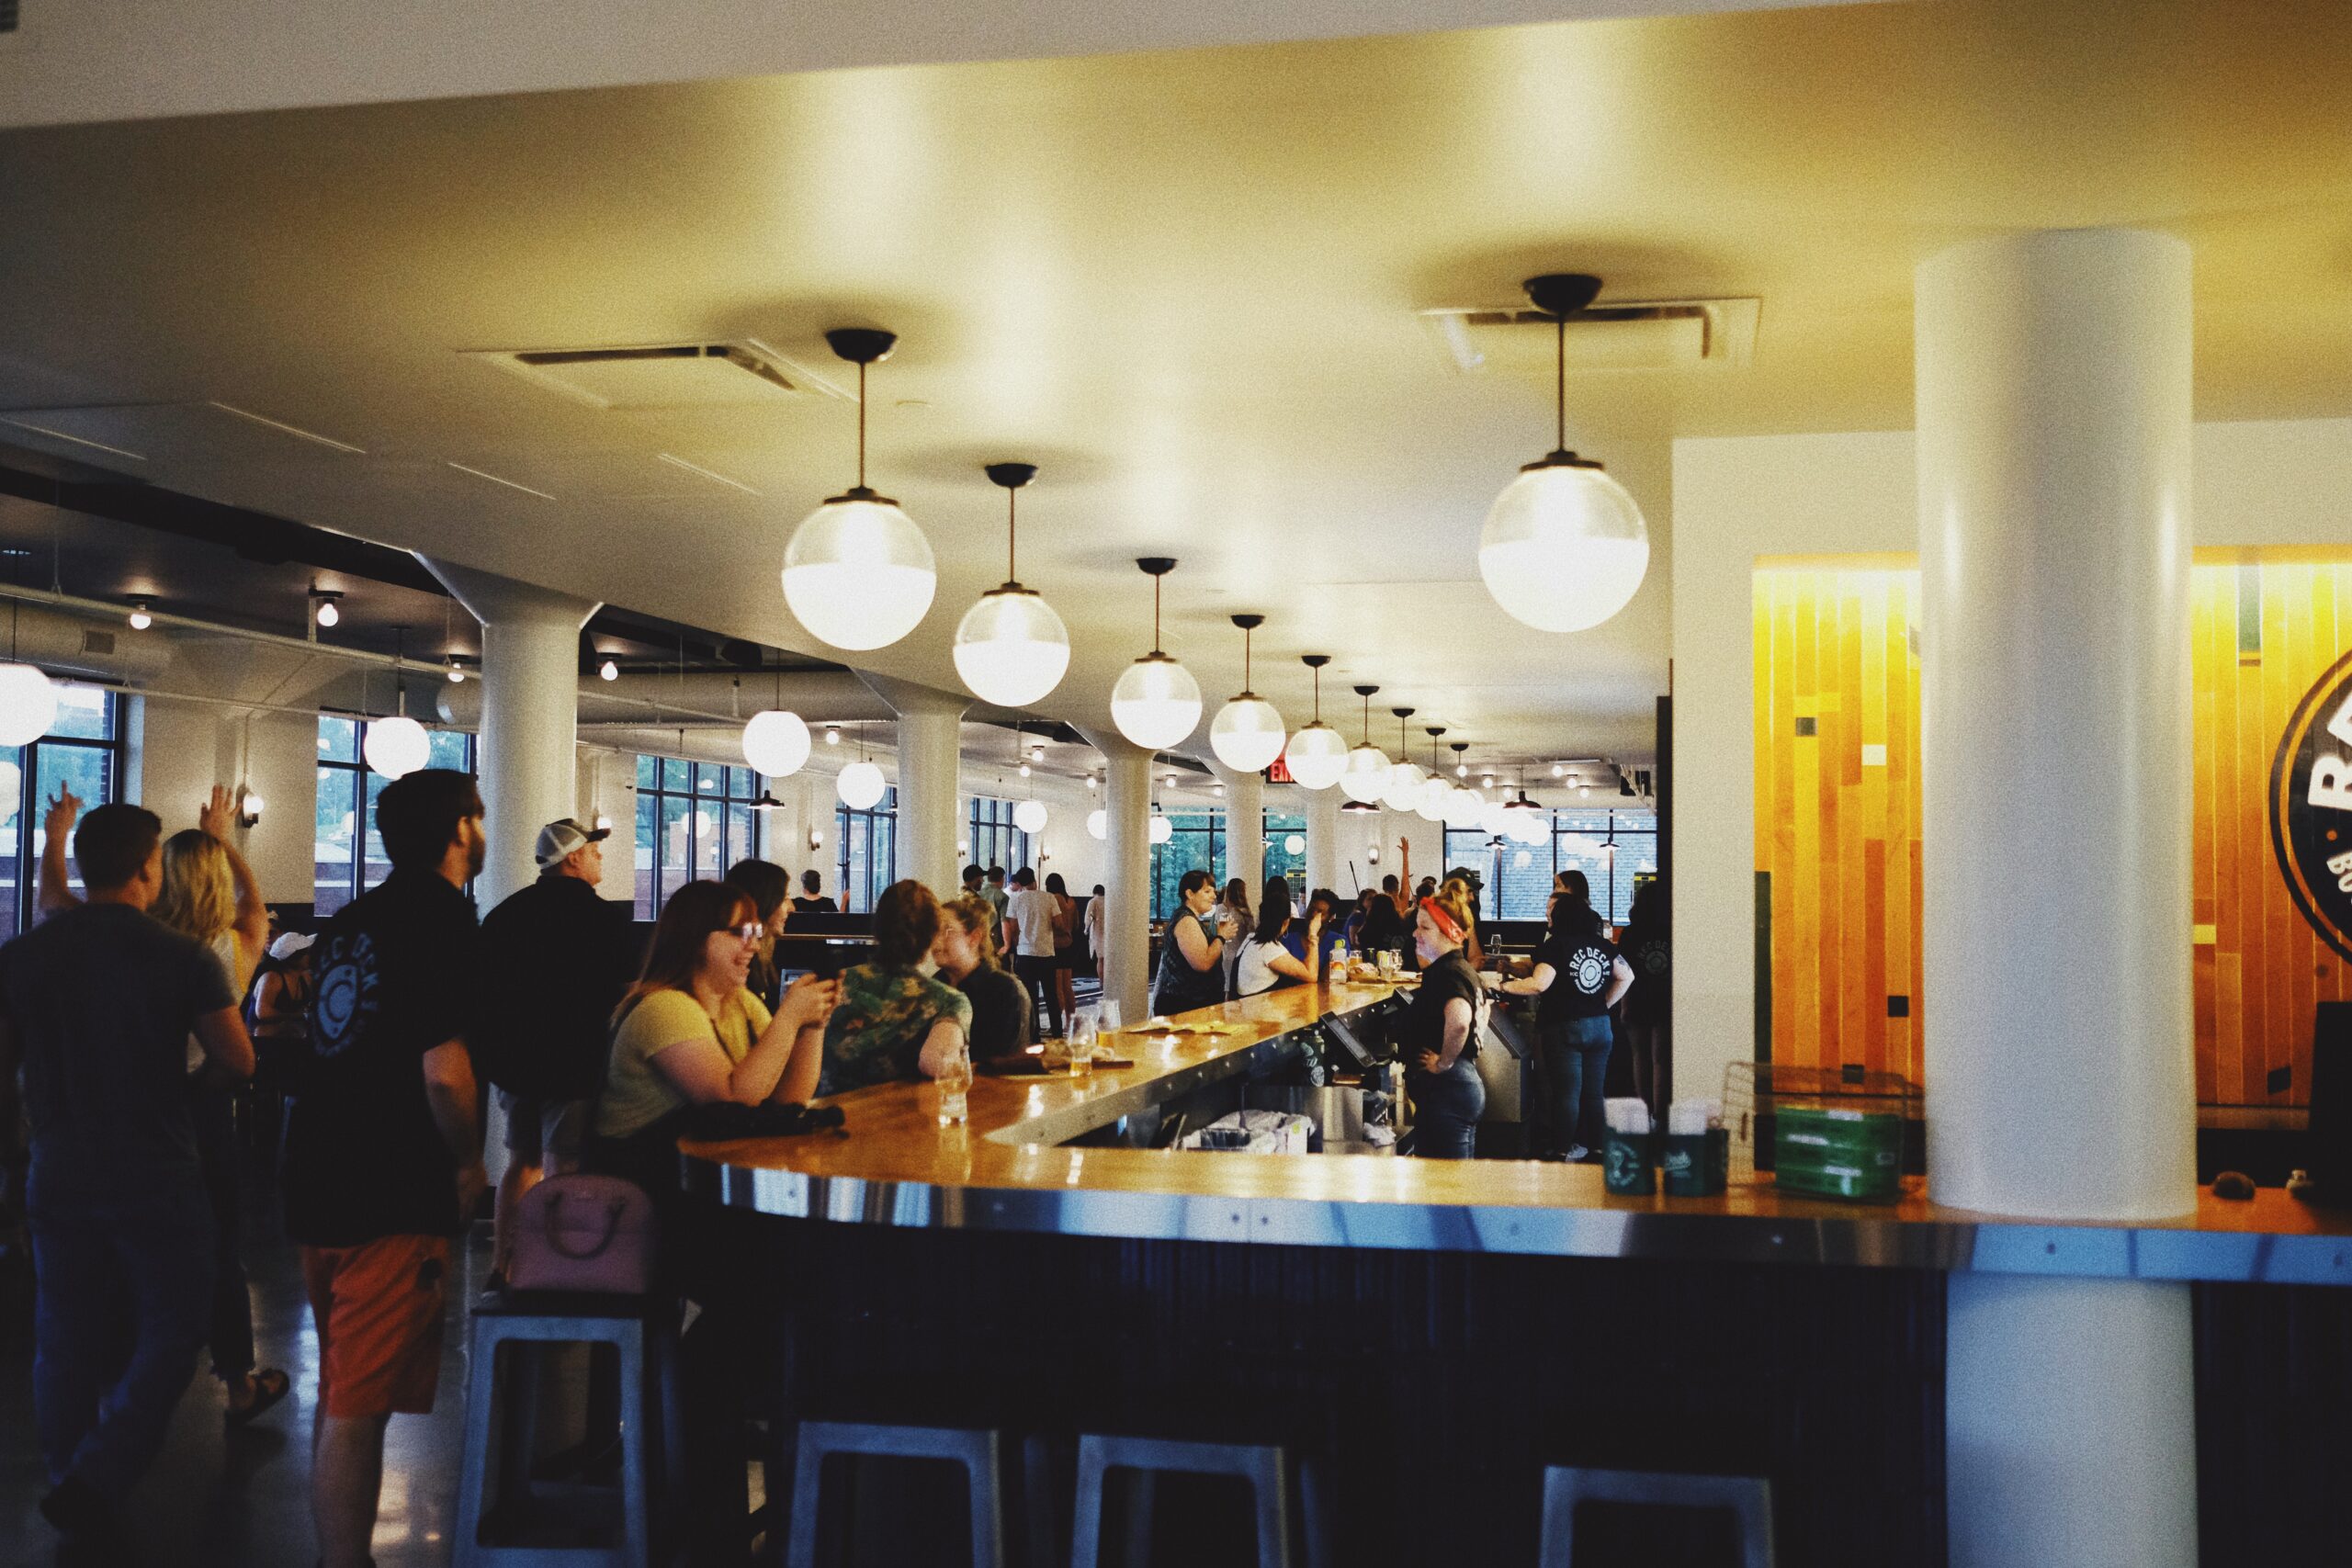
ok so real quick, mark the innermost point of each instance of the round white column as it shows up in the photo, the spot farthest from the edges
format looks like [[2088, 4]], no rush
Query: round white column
[[930, 729], [1323, 822], [1245, 827], [1127, 785], [2053, 381], [530, 711], [2053, 431]]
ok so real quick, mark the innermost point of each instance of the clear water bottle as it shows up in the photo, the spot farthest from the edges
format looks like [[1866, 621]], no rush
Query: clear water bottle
[[954, 1087]]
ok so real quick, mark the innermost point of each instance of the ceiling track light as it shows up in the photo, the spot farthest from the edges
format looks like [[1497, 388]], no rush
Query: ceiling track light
[[1365, 778], [608, 670], [1318, 754], [1157, 702], [1563, 547], [323, 608], [1247, 734], [139, 619], [858, 573], [1012, 650]]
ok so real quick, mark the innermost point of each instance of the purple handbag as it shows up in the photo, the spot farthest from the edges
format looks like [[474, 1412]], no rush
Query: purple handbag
[[583, 1232]]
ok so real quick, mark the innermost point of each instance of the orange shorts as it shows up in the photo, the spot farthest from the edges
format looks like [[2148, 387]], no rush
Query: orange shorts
[[378, 1307]]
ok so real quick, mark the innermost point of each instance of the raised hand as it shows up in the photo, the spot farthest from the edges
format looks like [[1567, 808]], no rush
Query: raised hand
[[62, 813], [217, 815]]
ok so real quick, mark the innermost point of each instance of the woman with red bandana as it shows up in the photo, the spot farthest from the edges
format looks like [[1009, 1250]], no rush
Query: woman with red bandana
[[1438, 1037]]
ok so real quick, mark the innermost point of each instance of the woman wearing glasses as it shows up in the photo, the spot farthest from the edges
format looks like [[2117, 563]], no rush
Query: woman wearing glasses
[[691, 1032]]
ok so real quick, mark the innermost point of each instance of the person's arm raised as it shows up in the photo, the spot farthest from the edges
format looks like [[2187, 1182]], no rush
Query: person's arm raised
[[218, 815], [57, 829]]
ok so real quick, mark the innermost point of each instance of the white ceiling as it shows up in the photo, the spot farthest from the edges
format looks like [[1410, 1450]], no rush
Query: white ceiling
[[1183, 284]]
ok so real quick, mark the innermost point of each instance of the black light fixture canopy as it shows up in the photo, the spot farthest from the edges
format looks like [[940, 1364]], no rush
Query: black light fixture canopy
[[1561, 295]]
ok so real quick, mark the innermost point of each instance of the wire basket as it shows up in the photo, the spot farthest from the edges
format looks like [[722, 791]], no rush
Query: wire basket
[[1754, 1092]]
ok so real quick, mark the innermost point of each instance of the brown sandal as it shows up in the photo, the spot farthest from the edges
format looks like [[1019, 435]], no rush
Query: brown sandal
[[270, 1385]]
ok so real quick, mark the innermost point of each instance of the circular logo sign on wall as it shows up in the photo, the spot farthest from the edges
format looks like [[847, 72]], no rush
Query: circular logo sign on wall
[[2310, 807]]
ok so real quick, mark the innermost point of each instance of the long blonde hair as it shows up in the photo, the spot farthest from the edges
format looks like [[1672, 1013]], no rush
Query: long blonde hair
[[199, 896], [976, 917]]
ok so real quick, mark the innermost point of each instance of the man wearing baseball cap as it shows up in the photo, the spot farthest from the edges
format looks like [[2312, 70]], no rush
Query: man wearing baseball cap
[[556, 956]]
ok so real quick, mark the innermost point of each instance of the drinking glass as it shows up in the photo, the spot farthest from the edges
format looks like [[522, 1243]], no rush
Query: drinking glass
[[1107, 1017], [954, 1085], [1080, 1045]]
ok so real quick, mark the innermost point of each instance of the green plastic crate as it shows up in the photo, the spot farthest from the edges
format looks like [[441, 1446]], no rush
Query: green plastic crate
[[1838, 1154]]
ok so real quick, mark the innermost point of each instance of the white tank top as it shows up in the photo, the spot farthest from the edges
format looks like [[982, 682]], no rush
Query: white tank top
[[1253, 971]]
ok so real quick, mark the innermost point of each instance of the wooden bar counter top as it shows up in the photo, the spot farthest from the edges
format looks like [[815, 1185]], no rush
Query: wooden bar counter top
[[1007, 1169]]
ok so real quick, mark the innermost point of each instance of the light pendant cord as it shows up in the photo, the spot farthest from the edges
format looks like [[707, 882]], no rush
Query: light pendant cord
[[1245, 659], [861, 424], [1011, 534], [1155, 614], [1559, 385]]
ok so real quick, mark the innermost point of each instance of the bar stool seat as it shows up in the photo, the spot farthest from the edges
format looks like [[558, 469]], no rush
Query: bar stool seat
[[977, 1450], [652, 1463], [1749, 1499], [1281, 1489]]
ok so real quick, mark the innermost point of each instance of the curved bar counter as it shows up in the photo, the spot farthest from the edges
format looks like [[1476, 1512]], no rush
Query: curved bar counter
[[1008, 1170]]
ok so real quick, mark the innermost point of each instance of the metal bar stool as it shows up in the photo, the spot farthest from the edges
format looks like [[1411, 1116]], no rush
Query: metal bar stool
[[1268, 1470], [975, 1450], [653, 1462], [1749, 1499]]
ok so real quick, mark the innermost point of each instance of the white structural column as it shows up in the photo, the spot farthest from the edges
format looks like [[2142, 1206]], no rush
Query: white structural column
[[2054, 381], [1323, 822], [1127, 784], [930, 730], [1245, 827], [530, 715]]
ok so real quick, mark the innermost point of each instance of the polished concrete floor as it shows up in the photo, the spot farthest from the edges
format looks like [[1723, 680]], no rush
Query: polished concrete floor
[[219, 1496]]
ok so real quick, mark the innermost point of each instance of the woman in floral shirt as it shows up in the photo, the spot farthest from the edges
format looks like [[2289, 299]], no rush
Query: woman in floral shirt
[[895, 1022]]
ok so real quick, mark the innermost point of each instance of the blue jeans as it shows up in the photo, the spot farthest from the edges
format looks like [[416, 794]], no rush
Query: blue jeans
[[1576, 1063], [122, 1298], [1447, 1106]]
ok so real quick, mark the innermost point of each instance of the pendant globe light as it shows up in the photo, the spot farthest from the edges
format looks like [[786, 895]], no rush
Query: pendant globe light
[[776, 741], [1029, 816], [1434, 789], [1010, 647], [1156, 702], [1247, 734], [1098, 824], [1565, 546], [28, 700], [1404, 791], [861, 784], [397, 746], [1365, 777], [1318, 754], [858, 573]]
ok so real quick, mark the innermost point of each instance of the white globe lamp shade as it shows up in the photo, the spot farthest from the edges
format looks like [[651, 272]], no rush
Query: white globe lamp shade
[[1494, 819], [12, 785], [858, 573], [1435, 793], [1461, 805], [397, 747], [1404, 791], [1030, 815], [1365, 775], [1564, 548], [860, 785], [1162, 829], [775, 743], [27, 704], [1157, 702], [1098, 823], [1012, 649], [1247, 734], [1295, 845], [1317, 755]]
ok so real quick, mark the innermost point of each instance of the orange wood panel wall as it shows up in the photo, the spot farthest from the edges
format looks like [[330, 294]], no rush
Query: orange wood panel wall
[[1837, 818]]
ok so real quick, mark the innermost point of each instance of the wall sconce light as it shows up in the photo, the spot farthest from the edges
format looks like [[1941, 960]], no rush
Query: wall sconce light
[[249, 805], [815, 840]]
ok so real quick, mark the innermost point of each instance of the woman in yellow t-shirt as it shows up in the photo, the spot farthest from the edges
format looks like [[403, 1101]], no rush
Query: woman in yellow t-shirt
[[691, 1032]]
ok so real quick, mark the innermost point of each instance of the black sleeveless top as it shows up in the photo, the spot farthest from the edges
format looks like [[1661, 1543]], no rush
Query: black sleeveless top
[[1180, 988]]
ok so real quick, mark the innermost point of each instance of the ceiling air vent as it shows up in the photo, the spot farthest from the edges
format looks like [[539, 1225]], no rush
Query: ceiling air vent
[[93, 640], [651, 377], [1636, 334]]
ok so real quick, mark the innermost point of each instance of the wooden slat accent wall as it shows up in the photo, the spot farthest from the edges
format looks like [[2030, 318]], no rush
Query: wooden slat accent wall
[[1838, 838]]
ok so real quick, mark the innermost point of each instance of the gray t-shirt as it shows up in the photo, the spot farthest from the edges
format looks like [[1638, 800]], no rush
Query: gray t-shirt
[[100, 999]]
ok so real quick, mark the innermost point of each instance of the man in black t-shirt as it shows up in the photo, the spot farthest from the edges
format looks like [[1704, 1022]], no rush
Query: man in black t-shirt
[[383, 1146], [812, 900], [96, 1006]]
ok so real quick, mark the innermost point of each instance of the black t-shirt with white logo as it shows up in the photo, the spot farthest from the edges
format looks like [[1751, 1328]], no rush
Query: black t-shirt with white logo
[[1649, 954], [397, 975], [1583, 967]]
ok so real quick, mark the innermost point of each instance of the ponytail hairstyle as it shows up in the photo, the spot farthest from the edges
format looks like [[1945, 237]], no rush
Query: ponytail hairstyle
[[976, 917]]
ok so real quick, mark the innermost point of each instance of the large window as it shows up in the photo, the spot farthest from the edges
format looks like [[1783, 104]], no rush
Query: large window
[[348, 858], [82, 753], [1195, 842], [868, 841], [1616, 850], [995, 840], [694, 820]]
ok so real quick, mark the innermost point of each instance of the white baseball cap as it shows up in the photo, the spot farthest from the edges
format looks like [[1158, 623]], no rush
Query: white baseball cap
[[562, 836]]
